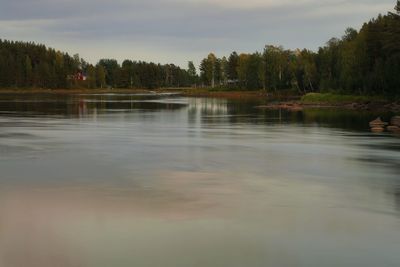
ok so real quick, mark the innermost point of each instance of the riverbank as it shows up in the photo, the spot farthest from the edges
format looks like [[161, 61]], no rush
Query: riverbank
[[312, 98], [70, 91], [291, 100], [349, 102], [188, 92], [286, 99]]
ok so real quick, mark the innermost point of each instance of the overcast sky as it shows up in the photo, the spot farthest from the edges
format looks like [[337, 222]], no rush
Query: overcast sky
[[175, 31]]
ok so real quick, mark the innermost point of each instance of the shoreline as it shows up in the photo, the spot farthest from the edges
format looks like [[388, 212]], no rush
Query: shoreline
[[282, 100], [355, 106], [70, 91], [189, 92], [238, 95]]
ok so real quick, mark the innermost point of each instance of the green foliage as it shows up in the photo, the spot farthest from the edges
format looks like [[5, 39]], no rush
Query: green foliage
[[365, 62], [192, 73], [232, 66], [111, 68], [242, 69], [100, 76], [253, 67], [313, 98], [30, 65], [209, 70], [91, 77], [276, 60]]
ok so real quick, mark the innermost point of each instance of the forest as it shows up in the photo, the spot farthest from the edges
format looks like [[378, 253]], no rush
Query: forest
[[364, 62], [28, 65], [360, 62]]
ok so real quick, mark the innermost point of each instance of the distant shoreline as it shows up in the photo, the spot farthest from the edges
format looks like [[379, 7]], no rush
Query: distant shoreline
[[286, 101], [69, 91], [189, 92]]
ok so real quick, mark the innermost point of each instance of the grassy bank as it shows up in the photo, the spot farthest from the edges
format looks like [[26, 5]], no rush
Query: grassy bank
[[328, 98]]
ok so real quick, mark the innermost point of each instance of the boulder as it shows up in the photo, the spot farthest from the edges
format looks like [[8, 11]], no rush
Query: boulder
[[377, 129], [377, 123]]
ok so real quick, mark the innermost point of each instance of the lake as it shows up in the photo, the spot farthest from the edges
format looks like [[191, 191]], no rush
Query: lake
[[163, 180]]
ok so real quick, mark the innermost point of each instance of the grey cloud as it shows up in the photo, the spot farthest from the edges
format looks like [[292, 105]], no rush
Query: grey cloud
[[174, 29]]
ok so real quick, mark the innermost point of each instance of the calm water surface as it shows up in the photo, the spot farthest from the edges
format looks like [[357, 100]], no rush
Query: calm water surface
[[136, 180]]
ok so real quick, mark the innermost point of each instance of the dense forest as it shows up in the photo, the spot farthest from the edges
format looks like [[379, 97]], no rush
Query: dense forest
[[361, 62], [34, 66]]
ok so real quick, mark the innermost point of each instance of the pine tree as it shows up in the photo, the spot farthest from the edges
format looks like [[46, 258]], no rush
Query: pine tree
[[28, 71], [232, 67], [192, 72], [91, 76]]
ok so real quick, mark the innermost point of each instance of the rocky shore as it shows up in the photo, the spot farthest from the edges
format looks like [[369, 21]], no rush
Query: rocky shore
[[378, 125]]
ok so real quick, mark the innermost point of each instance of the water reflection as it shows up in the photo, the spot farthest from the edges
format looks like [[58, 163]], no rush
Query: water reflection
[[83, 105], [207, 110], [126, 180]]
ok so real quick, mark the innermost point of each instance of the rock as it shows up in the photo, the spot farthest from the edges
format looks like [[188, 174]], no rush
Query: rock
[[377, 123], [377, 129], [395, 121]]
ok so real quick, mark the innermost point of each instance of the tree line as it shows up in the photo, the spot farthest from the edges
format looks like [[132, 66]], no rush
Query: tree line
[[139, 74], [361, 62], [30, 65]]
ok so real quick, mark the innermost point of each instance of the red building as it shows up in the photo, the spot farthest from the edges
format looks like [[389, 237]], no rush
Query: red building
[[79, 76]]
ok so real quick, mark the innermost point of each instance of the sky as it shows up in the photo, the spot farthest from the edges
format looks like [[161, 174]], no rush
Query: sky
[[176, 31]]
